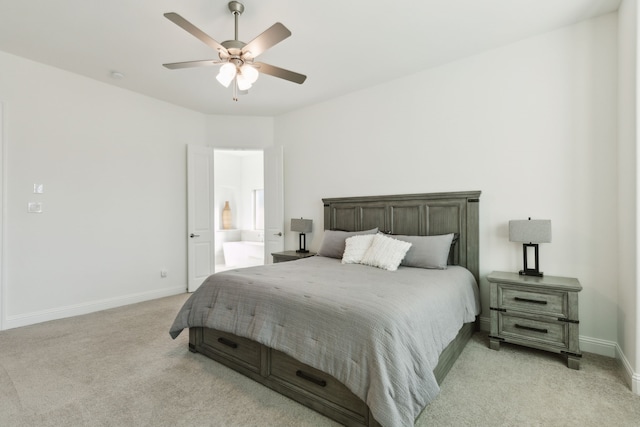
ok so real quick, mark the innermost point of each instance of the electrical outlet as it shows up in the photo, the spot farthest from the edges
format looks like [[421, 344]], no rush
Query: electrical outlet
[[163, 273], [34, 207]]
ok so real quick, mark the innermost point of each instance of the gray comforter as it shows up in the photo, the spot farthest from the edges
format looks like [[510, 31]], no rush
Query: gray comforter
[[379, 332]]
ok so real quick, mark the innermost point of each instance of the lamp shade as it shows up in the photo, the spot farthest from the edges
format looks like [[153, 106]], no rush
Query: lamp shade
[[226, 74], [530, 231], [301, 225], [249, 73]]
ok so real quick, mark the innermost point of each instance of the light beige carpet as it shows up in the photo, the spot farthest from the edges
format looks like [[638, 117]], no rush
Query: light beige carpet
[[119, 367]]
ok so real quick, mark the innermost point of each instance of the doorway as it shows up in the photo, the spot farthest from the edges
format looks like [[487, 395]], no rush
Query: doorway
[[239, 208], [205, 207], [2, 234]]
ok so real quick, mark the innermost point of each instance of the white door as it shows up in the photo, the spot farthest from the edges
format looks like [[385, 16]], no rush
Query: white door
[[273, 202], [200, 212], [2, 242]]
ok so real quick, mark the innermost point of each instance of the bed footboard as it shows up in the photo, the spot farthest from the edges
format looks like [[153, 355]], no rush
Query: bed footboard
[[302, 383]]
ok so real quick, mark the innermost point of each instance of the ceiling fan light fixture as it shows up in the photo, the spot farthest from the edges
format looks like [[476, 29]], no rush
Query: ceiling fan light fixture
[[226, 74], [237, 56], [243, 82], [249, 73]]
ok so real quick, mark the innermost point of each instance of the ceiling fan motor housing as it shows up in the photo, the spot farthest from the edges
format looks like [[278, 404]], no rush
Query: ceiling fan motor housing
[[234, 52], [236, 7]]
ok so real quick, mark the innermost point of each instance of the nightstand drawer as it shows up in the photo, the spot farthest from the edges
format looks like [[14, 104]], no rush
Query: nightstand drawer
[[553, 303], [539, 330]]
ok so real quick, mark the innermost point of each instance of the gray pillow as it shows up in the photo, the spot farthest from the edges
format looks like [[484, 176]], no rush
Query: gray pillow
[[333, 242], [427, 251]]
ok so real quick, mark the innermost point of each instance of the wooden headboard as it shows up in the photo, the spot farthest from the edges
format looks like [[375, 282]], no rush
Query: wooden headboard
[[414, 214]]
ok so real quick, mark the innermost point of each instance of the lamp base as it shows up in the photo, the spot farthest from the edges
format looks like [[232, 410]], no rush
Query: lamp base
[[303, 244], [530, 272]]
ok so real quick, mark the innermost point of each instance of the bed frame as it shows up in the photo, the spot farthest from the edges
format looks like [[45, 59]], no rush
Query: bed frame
[[409, 214]]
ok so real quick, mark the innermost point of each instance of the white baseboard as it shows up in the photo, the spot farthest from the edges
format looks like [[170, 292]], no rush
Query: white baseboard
[[89, 307], [632, 378], [485, 324], [598, 346]]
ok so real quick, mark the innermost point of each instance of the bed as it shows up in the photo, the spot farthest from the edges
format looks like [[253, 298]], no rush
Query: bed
[[337, 337]]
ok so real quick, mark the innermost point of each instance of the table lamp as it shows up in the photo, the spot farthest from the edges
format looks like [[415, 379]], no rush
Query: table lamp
[[302, 226], [530, 232]]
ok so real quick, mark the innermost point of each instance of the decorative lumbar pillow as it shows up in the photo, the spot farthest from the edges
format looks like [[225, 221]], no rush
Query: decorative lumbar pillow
[[333, 242], [385, 252], [355, 248], [427, 251]]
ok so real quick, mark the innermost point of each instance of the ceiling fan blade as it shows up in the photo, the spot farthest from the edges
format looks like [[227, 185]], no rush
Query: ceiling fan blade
[[280, 72], [191, 64], [195, 31], [270, 37]]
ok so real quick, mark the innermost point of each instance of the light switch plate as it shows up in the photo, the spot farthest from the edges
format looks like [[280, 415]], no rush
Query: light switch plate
[[38, 188], [34, 207]]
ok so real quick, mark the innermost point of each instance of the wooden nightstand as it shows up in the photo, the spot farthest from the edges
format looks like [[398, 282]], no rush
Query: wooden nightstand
[[290, 256], [537, 312]]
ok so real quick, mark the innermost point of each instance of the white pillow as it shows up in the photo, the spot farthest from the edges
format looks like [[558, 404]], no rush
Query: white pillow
[[355, 248], [385, 252]]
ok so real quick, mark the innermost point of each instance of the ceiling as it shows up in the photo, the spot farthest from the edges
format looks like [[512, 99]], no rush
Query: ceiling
[[342, 46]]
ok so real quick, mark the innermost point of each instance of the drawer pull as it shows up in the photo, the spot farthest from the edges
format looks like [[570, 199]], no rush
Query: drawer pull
[[227, 342], [530, 328], [313, 379], [535, 301]]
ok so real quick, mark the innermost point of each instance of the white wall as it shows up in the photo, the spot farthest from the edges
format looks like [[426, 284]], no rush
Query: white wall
[[252, 179], [113, 165], [628, 297], [244, 132], [227, 188], [532, 125]]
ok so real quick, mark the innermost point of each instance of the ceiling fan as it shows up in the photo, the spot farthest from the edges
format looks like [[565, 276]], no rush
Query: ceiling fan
[[236, 58]]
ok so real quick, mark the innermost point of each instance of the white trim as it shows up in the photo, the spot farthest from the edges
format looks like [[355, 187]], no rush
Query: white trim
[[3, 216], [485, 324], [597, 346], [632, 378], [86, 308]]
